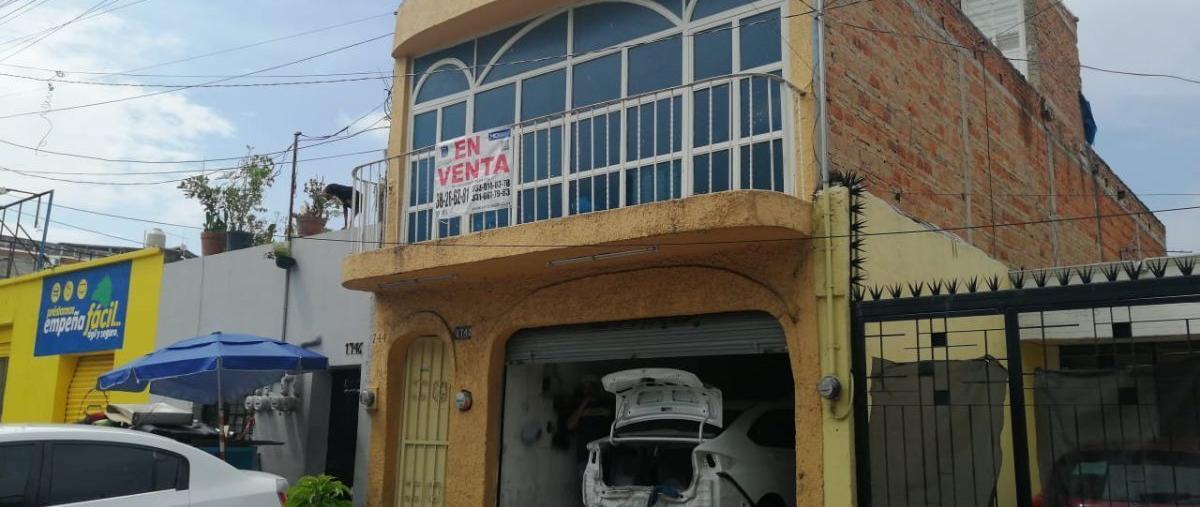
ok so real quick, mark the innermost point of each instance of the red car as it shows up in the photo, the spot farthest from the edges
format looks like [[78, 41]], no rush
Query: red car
[[1131, 477]]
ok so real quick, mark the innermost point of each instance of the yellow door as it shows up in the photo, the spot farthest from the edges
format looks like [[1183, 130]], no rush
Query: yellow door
[[428, 369], [82, 396]]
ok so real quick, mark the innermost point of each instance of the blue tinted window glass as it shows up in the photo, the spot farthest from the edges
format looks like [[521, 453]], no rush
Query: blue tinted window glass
[[442, 81], [760, 42], [424, 130], [545, 44], [544, 94], [595, 142], [705, 8], [655, 128], [675, 6], [485, 220], [464, 53], [604, 25], [541, 154], [454, 121], [761, 106], [596, 81], [655, 65], [710, 172], [714, 50], [711, 116], [490, 44], [448, 227], [777, 165], [652, 183], [756, 166], [494, 108]]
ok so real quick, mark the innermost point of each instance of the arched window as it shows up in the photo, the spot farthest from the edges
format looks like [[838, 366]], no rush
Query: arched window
[[442, 81]]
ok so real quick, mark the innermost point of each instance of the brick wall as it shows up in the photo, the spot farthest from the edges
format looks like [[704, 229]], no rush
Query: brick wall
[[955, 136]]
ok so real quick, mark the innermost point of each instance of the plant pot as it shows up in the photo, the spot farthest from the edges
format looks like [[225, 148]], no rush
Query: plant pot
[[284, 261], [307, 225], [212, 242], [237, 240]]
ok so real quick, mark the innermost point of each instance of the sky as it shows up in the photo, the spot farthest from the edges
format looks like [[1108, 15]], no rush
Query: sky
[[1148, 127], [199, 123]]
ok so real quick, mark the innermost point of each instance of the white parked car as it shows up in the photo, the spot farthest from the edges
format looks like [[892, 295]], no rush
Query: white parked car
[[90, 466], [672, 445]]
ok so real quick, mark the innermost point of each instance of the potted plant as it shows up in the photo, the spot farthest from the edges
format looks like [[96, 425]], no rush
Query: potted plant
[[318, 491], [315, 213], [282, 255], [201, 188], [242, 199]]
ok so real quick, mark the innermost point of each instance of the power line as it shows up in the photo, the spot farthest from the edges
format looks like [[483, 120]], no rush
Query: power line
[[186, 87], [1044, 62], [53, 30], [159, 182], [438, 244], [184, 171], [218, 52], [56, 80], [93, 15]]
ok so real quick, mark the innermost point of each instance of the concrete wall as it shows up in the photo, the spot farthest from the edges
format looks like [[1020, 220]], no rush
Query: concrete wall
[[242, 292]]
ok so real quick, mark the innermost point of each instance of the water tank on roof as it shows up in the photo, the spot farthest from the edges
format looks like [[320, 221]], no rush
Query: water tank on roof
[[156, 238]]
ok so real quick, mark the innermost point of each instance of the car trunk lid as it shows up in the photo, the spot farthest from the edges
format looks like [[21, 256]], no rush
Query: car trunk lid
[[662, 394]]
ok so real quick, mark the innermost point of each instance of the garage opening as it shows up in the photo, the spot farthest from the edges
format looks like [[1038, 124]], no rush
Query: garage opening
[[694, 411]]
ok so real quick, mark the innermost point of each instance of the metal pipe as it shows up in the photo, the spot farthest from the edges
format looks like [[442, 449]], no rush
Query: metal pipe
[[819, 83]]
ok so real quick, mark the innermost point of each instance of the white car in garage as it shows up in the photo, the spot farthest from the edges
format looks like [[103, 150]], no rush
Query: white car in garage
[[674, 443], [98, 467]]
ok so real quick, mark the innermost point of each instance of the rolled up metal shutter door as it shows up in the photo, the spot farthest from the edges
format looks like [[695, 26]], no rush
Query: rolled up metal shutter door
[[702, 335], [81, 392]]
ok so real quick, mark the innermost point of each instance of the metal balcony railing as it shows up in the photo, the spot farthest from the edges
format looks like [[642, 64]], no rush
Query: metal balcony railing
[[727, 133]]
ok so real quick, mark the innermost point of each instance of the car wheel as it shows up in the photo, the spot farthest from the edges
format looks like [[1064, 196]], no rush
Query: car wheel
[[771, 500]]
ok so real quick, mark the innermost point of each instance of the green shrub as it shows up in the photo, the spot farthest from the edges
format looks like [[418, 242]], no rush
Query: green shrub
[[318, 491]]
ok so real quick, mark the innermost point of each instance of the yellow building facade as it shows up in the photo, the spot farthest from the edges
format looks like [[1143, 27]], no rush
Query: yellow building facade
[[62, 327]]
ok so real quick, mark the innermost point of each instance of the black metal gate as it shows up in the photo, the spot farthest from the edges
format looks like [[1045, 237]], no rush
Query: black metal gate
[[1071, 386]]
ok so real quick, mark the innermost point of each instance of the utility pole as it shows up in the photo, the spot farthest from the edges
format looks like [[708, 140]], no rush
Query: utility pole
[[287, 273], [292, 195]]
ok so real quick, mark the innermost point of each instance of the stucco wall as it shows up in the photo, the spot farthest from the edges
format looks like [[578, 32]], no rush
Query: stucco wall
[[242, 292], [770, 276]]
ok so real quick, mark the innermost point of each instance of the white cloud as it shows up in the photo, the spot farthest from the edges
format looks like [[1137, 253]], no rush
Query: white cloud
[[169, 126]]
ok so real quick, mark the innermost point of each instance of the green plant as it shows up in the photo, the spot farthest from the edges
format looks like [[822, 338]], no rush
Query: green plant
[[202, 189], [319, 204], [279, 249], [318, 491], [243, 193]]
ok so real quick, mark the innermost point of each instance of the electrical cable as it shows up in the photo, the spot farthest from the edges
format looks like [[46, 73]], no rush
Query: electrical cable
[[94, 8], [57, 80], [42, 176], [85, 18], [185, 171], [440, 244], [187, 87], [970, 48]]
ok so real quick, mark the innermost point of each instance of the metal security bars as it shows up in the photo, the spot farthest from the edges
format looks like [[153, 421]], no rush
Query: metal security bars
[[369, 203], [1077, 386], [24, 220], [727, 133]]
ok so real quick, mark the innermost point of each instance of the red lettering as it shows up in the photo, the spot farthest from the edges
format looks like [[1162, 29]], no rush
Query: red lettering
[[443, 175], [486, 164], [458, 173], [473, 146], [501, 164], [460, 149], [472, 170]]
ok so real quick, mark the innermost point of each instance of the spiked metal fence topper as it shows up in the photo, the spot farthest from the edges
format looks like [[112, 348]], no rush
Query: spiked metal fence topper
[[1022, 279], [858, 223]]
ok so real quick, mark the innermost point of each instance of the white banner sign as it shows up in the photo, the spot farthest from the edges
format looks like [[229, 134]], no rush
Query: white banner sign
[[474, 173]]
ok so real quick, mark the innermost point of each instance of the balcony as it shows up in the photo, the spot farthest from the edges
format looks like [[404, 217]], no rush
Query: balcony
[[728, 135]]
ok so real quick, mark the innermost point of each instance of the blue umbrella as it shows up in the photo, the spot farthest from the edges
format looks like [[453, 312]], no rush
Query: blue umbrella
[[210, 369]]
